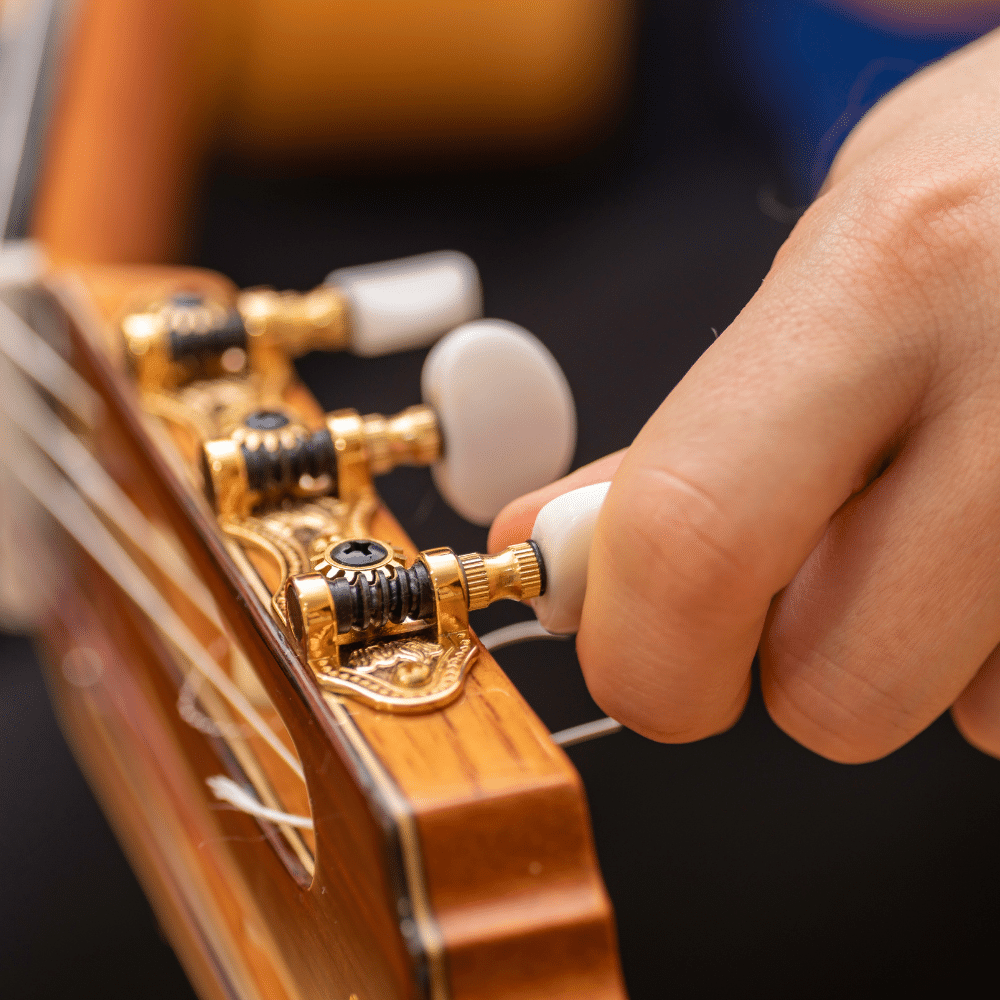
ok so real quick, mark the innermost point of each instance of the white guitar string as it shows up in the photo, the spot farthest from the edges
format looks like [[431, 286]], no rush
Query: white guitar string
[[511, 635], [25, 408], [587, 731], [529, 631], [226, 790], [46, 367], [66, 505]]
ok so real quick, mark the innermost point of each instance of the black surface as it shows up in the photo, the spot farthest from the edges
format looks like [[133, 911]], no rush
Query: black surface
[[742, 865]]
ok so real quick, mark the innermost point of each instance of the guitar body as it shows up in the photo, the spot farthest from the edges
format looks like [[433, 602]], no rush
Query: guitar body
[[449, 853]]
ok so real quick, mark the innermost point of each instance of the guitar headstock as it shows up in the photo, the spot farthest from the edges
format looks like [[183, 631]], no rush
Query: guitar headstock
[[236, 609], [292, 489]]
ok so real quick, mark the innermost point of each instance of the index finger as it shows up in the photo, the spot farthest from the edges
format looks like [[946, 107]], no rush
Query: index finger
[[732, 482]]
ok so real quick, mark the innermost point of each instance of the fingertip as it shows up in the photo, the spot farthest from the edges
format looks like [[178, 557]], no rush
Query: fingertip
[[515, 522], [662, 701], [832, 711], [982, 734], [976, 712]]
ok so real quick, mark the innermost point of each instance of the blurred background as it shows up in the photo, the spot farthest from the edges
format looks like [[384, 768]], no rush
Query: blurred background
[[623, 174]]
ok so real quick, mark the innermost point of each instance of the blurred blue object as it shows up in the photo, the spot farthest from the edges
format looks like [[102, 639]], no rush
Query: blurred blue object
[[811, 69]]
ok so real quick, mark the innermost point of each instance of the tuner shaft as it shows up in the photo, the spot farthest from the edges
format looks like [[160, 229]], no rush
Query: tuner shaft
[[266, 459], [354, 601], [295, 322]]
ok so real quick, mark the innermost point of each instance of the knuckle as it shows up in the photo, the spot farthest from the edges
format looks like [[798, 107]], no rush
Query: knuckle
[[926, 227], [908, 244], [844, 710]]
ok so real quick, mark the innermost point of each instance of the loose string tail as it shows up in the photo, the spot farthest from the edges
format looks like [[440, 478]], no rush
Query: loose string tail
[[530, 631], [228, 791]]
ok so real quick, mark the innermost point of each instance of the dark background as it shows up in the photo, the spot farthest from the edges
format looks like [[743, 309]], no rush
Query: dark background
[[741, 864]]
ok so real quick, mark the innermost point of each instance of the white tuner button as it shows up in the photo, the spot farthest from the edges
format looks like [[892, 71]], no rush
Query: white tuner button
[[563, 532], [506, 415], [399, 305]]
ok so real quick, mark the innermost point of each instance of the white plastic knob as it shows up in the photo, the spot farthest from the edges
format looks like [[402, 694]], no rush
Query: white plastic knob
[[506, 414], [399, 305], [563, 532]]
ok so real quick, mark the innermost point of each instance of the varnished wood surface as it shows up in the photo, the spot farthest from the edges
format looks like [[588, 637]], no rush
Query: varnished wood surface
[[504, 876]]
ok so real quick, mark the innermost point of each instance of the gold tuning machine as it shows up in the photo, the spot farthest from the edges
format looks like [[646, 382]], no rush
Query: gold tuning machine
[[282, 325], [371, 310], [270, 456], [173, 340], [394, 636]]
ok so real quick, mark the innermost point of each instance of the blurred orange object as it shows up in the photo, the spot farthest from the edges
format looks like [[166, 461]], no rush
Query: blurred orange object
[[151, 87]]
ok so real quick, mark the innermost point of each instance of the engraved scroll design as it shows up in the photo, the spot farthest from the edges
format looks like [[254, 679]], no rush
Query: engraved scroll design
[[405, 675]]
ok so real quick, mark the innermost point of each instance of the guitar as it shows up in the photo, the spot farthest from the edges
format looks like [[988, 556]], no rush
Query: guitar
[[230, 615], [765, 864]]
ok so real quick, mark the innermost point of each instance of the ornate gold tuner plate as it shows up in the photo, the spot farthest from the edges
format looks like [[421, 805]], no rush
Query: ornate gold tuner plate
[[406, 666], [405, 675], [292, 491]]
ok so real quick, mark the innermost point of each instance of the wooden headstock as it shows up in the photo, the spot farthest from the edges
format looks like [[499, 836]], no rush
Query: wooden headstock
[[442, 851]]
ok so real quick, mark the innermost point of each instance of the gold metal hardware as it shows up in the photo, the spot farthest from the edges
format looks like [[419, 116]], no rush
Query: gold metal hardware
[[152, 335], [172, 341], [283, 325], [225, 475], [294, 496], [512, 575], [411, 437], [252, 466], [393, 663]]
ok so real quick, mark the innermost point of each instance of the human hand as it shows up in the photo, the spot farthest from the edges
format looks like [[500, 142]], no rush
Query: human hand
[[825, 481]]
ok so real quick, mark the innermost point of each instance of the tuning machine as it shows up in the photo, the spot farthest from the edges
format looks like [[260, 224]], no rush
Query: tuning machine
[[370, 310], [498, 421], [394, 636]]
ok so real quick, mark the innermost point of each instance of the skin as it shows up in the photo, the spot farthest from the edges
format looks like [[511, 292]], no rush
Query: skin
[[824, 484]]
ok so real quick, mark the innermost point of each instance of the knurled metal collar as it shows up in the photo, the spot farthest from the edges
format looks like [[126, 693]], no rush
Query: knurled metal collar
[[529, 570], [476, 580]]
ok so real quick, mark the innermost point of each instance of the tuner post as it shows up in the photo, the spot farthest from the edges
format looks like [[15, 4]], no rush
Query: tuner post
[[269, 456], [362, 595], [172, 341]]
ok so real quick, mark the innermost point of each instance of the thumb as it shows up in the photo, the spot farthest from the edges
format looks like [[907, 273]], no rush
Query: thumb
[[734, 479]]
